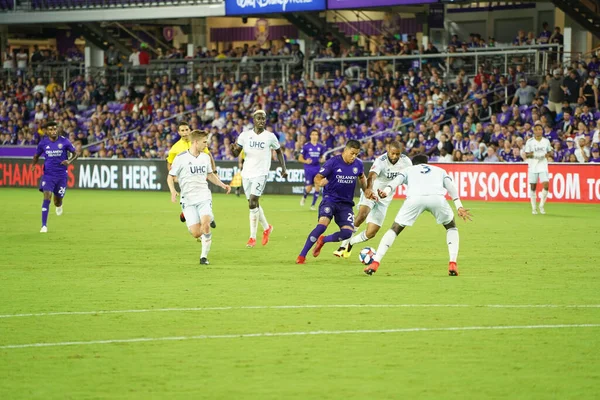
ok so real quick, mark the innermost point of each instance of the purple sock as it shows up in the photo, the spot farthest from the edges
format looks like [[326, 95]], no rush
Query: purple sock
[[45, 211], [338, 236], [305, 193], [312, 238], [315, 197]]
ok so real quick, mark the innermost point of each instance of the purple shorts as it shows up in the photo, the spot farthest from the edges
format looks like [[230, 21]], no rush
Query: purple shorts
[[309, 175], [341, 213], [54, 184]]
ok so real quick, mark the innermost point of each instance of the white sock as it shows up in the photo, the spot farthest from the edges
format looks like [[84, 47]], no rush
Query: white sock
[[452, 240], [254, 215], [386, 242], [532, 197], [262, 218], [544, 197], [206, 242], [345, 243], [361, 237]]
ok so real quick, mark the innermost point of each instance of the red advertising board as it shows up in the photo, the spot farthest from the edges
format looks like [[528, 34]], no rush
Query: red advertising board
[[573, 183]]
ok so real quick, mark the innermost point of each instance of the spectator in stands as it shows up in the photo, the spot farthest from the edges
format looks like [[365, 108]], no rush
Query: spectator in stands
[[22, 59], [134, 58]]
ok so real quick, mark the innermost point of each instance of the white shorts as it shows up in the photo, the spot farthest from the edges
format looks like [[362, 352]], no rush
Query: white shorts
[[534, 176], [193, 214], [378, 210], [254, 186], [415, 206]]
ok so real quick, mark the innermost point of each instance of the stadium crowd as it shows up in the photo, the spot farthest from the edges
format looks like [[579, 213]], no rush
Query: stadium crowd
[[485, 118]]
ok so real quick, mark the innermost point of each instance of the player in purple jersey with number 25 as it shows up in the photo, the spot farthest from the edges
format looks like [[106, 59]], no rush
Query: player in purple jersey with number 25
[[338, 178], [55, 150], [312, 152]]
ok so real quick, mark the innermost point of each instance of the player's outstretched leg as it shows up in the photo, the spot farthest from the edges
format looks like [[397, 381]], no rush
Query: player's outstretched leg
[[304, 196], [532, 197], [364, 236], [311, 240], [386, 242], [344, 233], [345, 250], [452, 239], [45, 210], [544, 198]]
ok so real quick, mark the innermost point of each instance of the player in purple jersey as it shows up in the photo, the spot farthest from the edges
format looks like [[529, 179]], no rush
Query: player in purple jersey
[[56, 159], [338, 178], [311, 155]]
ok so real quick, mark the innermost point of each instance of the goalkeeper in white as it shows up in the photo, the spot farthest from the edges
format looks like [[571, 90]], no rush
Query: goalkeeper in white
[[426, 190]]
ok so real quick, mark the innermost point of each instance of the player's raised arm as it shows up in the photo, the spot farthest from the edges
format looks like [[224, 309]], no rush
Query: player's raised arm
[[453, 193], [391, 187]]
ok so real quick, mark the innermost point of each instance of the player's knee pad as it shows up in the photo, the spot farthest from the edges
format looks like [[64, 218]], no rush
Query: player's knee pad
[[346, 234]]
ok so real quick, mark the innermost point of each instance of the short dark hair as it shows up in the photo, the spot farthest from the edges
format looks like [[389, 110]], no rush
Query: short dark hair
[[182, 123], [353, 144], [50, 124], [396, 144], [420, 159]]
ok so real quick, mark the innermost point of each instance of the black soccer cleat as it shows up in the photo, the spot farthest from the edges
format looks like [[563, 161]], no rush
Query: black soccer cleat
[[182, 217], [213, 224], [204, 261]]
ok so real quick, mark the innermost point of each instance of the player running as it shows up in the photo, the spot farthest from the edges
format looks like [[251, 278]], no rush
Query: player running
[[537, 149], [311, 156], [183, 144], [193, 168], [426, 189], [338, 178], [56, 151], [257, 145], [385, 168]]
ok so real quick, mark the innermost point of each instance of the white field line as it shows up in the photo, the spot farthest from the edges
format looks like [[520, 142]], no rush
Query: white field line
[[292, 307], [307, 333]]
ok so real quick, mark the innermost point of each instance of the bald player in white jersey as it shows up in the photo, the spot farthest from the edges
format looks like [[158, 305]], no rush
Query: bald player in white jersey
[[385, 168], [193, 168], [426, 190], [258, 145], [537, 151]]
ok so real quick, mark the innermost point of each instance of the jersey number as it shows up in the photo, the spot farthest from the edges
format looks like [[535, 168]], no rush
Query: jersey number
[[425, 169], [351, 217]]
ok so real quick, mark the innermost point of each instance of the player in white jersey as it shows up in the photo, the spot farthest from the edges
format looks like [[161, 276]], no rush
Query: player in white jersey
[[258, 145], [537, 149], [193, 168], [385, 168], [426, 190]]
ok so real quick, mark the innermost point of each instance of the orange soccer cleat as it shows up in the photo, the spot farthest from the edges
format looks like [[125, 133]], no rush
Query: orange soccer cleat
[[452, 269], [266, 233], [318, 246], [251, 243], [301, 260], [371, 268]]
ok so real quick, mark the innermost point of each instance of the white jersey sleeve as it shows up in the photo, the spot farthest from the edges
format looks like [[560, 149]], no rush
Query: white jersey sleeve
[[241, 140], [176, 166], [274, 144]]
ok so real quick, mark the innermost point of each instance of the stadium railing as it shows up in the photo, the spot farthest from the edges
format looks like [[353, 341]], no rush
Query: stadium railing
[[534, 59], [186, 71]]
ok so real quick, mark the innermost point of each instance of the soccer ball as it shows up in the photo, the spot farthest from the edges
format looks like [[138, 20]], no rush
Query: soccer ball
[[366, 255]]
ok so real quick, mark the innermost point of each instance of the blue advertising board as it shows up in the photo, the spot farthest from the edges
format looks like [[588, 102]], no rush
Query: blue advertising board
[[250, 7]]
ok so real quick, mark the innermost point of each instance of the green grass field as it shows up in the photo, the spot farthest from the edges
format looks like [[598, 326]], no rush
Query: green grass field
[[116, 288]]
